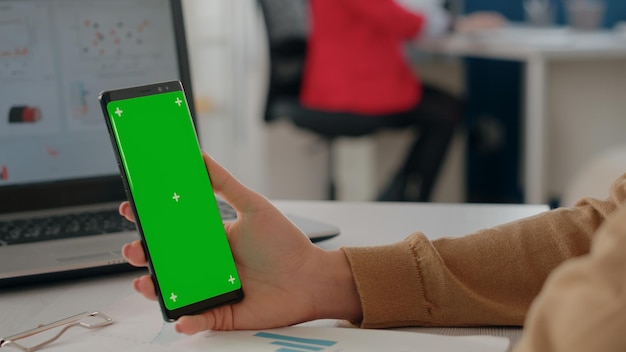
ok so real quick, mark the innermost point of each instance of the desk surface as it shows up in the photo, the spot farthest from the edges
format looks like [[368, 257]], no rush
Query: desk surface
[[24, 308], [522, 42], [537, 49]]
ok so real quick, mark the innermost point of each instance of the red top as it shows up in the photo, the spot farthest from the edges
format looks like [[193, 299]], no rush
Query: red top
[[355, 59]]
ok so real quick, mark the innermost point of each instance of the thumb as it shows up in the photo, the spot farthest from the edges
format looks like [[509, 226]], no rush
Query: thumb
[[229, 187]]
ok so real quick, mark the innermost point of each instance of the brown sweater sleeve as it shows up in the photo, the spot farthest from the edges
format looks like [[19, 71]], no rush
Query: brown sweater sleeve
[[582, 306], [486, 278]]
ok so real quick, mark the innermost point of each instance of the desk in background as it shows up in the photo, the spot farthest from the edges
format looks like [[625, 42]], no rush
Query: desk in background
[[24, 308], [537, 49]]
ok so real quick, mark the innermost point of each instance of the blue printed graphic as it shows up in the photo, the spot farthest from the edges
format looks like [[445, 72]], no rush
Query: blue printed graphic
[[295, 344]]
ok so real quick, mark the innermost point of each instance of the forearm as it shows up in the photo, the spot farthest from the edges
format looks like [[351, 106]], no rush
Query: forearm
[[437, 20], [492, 276], [489, 277]]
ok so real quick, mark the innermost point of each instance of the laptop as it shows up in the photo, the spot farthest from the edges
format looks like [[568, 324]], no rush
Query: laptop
[[59, 181]]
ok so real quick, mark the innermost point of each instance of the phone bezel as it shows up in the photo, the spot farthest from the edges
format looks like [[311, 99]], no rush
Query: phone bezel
[[139, 91]]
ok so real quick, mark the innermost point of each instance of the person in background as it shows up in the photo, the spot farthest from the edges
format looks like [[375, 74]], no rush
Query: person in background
[[444, 16], [561, 274], [356, 63]]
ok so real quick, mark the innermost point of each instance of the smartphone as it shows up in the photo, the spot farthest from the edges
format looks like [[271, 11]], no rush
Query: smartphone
[[175, 208]]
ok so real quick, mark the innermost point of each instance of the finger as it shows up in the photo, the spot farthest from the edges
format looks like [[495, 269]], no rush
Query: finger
[[191, 324], [133, 252], [145, 286], [229, 187], [126, 211]]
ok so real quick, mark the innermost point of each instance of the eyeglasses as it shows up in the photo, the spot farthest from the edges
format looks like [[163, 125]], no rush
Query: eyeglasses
[[85, 320]]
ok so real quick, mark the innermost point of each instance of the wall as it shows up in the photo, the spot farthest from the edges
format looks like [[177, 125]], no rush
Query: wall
[[227, 72], [587, 117]]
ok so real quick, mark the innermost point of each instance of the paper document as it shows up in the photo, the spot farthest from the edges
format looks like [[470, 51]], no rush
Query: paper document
[[303, 338], [138, 326]]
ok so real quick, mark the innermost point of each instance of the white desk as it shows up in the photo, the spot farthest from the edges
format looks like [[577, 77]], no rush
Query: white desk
[[361, 224], [536, 48]]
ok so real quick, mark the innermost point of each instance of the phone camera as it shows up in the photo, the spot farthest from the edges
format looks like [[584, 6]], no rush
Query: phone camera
[[160, 89]]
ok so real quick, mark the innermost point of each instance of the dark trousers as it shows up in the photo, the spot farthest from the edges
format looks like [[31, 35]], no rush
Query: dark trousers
[[435, 120]]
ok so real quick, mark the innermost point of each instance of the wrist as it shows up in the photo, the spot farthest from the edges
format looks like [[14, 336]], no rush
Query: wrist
[[336, 295]]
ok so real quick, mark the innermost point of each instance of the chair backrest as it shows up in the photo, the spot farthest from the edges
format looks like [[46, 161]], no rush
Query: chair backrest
[[286, 23]]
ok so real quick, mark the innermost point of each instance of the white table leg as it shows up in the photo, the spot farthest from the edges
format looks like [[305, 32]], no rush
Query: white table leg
[[535, 130]]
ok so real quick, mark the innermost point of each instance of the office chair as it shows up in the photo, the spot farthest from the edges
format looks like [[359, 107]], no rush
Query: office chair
[[286, 23], [286, 26]]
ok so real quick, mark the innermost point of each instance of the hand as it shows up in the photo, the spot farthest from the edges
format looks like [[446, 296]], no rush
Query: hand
[[286, 279], [479, 21]]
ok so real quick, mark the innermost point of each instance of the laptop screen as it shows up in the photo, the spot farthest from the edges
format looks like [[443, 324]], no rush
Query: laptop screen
[[56, 56]]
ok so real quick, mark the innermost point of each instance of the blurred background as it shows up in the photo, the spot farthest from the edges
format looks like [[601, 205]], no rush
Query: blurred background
[[585, 108]]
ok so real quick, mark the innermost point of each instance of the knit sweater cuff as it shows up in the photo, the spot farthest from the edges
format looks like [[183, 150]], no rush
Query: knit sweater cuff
[[389, 284]]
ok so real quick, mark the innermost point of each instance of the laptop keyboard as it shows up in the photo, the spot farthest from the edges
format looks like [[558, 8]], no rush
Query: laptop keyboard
[[75, 225], [63, 226]]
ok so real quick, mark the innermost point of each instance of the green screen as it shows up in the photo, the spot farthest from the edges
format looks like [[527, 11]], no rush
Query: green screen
[[173, 198]]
